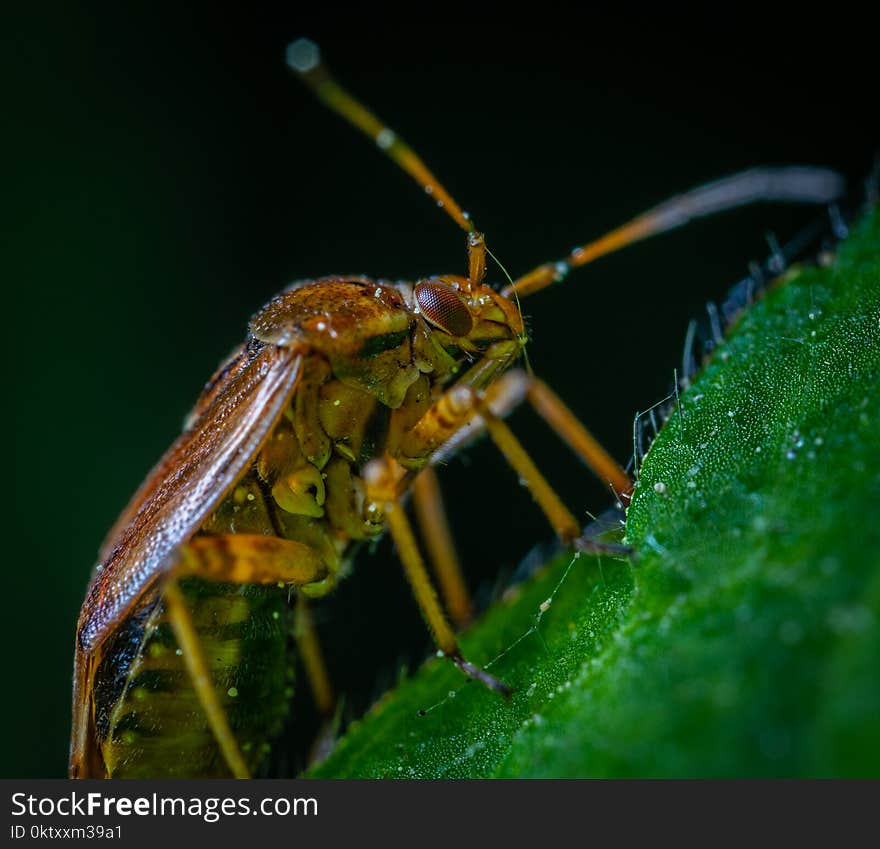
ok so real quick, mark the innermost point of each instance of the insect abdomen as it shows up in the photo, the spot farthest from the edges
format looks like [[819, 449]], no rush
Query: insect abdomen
[[148, 718]]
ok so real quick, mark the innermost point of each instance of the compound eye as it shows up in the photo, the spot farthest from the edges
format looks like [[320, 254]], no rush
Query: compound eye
[[441, 305]]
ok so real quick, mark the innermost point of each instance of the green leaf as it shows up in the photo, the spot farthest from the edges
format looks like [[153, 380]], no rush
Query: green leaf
[[744, 637]]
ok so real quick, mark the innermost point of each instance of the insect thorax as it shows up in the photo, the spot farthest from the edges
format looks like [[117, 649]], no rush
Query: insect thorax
[[372, 367]]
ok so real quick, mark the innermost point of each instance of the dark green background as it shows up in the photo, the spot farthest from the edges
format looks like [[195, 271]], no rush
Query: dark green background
[[168, 176]]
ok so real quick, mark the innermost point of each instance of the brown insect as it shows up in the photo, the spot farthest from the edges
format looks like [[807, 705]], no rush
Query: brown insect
[[345, 394]]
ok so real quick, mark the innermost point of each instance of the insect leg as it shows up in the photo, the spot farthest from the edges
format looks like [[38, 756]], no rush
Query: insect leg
[[200, 675], [514, 387], [463, 406], [252, 559], [551, 408], [434, 526], [460, 415], [794, 184], [313, 659], [309, 648], [239, 559], [563, 522], [382, 477]]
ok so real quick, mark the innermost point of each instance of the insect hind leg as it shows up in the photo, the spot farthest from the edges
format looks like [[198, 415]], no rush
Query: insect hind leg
[[313, 659], [200, 676], [239, 559], [309, 648]]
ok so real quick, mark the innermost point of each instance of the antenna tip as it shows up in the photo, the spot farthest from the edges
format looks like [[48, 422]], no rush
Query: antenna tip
[[303, 55]]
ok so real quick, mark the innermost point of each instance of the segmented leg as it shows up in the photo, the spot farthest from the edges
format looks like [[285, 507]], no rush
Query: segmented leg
[[550, 407], [239, 559], [324, 698], [463, 407], [431, 516], [313, 659], [564, 523], [383, 479], [516, 386]]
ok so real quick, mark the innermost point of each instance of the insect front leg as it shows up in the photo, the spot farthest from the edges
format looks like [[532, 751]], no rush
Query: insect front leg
[[463, 409], [459, 407], [550, 407], [515, 387], [237, 559]]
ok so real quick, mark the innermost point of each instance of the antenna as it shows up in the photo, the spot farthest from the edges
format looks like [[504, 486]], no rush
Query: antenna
[[792, 184], [304, 57]]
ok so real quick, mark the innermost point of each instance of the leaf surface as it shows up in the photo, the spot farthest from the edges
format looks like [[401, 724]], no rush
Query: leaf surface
[[744, 637]]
